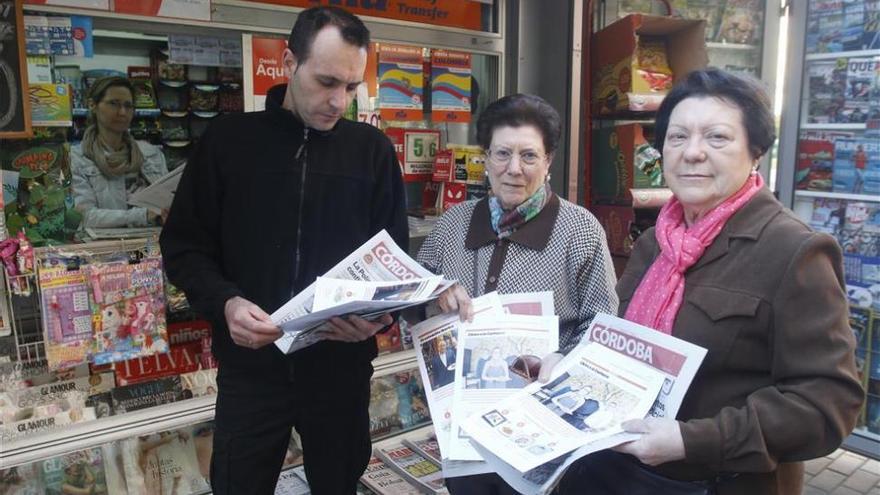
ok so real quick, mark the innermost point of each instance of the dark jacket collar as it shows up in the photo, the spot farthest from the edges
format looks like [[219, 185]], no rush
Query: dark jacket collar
[[747, 223], [284, 117], [534, 234]]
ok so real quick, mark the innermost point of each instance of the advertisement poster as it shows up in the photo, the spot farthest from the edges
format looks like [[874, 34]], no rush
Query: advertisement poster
[[182, 9], [265, 69], [450, 86], [416, 150], [401, 82]]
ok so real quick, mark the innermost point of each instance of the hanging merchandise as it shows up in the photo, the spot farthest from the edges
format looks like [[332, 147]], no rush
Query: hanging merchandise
[[128, 310], [60, 36], [173, 96], [416, 149], [450, 86], [231, 97], [164, 68], [51, 105], [198, 124], [401, 82], [40, 199], [174, 126], [142, 80], [81, 31], [67, 318], [204, 97]]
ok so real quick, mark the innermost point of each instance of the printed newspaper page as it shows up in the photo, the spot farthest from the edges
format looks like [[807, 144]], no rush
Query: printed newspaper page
[[676, 359], [378, 259], [520, 303], [159, 195], [336, 293], [484, 373], [586, 400], [436, 344]]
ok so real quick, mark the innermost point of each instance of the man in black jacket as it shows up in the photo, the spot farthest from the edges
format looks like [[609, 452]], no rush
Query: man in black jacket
[[269, 201]]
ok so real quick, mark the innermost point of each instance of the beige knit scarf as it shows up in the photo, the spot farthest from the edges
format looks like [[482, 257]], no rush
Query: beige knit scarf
[[125, 161]]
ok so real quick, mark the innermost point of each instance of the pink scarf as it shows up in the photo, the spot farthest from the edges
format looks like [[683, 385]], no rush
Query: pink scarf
[[658, 297]]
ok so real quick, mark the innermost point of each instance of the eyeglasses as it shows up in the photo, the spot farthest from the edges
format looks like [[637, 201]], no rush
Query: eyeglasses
[[116, 105], [501, 157]]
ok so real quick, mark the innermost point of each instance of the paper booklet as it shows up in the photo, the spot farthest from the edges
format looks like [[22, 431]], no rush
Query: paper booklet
[[377, 260], [675, 360], [159, 195], [413, 467], [385, 481]]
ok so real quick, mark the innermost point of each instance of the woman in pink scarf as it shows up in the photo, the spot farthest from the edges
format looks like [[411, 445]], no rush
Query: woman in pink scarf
[[728, 268]]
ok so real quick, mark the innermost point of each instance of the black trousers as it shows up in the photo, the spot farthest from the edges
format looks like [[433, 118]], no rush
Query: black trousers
[[479, 484], [255, 413]]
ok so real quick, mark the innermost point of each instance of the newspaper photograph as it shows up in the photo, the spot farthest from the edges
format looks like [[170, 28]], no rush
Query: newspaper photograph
[[676, 359], [378, 259], [159, 195], [585, 400], [436, 344], [334, 292], [485, 371]]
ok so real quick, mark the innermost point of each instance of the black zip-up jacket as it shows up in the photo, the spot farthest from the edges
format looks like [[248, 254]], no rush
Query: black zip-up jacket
[[244, 223]]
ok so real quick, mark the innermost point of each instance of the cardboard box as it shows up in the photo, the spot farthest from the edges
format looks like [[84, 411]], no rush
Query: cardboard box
[[619, 85], [615, 168], [51, 105]]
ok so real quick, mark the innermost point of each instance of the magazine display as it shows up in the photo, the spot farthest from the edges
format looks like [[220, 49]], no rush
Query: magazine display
[[129, 398], [377, 260], [45, 419], [199, 383], [82, 471], [170, 463], [385, 481], [21, 480], [128, 310], [114, 468], [415, 469], [67, 317], [676, 360], [483, 375]]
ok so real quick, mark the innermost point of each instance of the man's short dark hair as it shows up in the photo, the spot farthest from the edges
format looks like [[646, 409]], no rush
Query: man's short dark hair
[[744, 92], [310, 21], [520, 110]]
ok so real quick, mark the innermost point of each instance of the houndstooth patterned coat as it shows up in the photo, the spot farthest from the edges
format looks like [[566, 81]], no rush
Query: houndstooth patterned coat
[[563, 250]]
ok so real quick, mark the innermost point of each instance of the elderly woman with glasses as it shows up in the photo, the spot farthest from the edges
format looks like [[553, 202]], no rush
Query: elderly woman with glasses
[[522, 237], [109, 165]]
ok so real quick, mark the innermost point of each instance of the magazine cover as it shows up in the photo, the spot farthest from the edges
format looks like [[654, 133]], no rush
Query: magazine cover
[[79, 472], [383, 480], [292, 482], [427, 447], [397, 402], [199, 383], [21, 480], [67, 318], [827, 87], [417, 470], [828, 215], [170, 463], [147, 394], [741, 22], [128, 310], [860, 77], [114, 468], [835, 26], [856, 166], [815, 162]]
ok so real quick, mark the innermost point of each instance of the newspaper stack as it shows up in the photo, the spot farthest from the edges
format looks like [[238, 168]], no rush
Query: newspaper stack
[[377, 278], [530, 436]]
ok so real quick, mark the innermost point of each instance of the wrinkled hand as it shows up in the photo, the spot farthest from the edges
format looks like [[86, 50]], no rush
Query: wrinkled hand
[[249, 326], [547, 364], [660, 443], [456, 298], [354, 328]]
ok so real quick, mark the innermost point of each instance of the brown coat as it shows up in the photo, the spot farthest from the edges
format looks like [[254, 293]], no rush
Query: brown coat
[[779, 382]]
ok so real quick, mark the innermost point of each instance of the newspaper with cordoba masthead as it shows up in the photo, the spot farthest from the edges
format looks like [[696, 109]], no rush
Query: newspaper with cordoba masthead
[[379, 259], [676, 359]]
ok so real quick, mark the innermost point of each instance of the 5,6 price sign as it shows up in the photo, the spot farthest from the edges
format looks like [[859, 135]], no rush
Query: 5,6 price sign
[[416, 150]]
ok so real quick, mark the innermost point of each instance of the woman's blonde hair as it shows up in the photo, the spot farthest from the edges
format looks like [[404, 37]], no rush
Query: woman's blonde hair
[[99, 88]]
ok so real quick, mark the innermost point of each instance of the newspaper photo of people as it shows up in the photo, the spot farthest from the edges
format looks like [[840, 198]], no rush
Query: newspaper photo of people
[[586, 403], [488, 360], [442, 352]]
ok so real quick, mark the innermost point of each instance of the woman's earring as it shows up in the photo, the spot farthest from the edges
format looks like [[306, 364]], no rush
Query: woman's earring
[[547, 178]]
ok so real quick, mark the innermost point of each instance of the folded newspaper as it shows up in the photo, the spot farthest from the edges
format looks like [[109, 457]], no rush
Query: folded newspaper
[[378, 277], [159, 195], [582, 385]]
